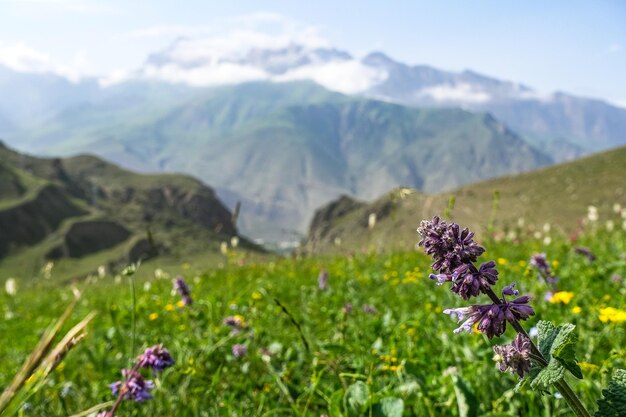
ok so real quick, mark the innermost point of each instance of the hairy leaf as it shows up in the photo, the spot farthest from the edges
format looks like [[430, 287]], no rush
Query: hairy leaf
[[613, 401]]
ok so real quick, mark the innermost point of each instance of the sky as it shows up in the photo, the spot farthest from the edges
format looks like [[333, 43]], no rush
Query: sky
[[573, 46]]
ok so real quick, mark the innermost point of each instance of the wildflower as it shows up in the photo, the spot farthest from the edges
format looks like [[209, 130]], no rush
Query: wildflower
[[467, 281], [585, 252], [561, 297], [514, 357], [156, 358], [592, 213], [450, 246], [576, 310], [613, 315], [153, 316], [237, 323], [616, 278], [10, 286], [540, 262], [183, 290], [134, 387], [322, 280], [239, 350], [369, 309], [347, 309], [492, 318]]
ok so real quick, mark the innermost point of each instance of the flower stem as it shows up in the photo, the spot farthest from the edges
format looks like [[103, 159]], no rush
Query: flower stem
[[566, 391]]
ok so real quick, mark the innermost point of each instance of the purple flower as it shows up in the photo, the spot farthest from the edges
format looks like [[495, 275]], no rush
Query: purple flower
[[156, 357], [449, 246], [585, 252], [347, 308], [183, 290], [239, 350], [467, 281], [234, 321], [134, 387], [322, 280], [514, 357], [492, 318], [369, 309], [540, 262]]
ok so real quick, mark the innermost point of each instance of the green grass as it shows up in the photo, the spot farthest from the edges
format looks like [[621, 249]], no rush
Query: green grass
[[408, 332]]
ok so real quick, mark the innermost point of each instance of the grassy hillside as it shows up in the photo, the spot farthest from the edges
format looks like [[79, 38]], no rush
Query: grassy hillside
[[85, 212], [558, 196], [285, 149]]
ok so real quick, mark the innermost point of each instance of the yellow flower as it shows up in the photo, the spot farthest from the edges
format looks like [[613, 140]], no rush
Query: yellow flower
[[180, 304], [586, 366], [613, 315], [410, 332], [502, 261], [169, 307], [257, 296], [606, 297], [153, 316], [562, 297], [576, 310], [555, 263], [522, 263]]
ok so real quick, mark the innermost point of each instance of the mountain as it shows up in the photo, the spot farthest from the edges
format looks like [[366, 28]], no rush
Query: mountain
[[558, 195], [564, 125], [72, 208], [286, 148], [556, 119]]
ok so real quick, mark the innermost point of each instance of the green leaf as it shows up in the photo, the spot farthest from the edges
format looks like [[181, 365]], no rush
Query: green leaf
[[388, 407], [356, 398], [558, 347], [335, 404], [613, 401], [465, 398]]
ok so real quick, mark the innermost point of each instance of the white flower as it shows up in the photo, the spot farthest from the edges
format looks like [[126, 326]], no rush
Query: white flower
[[610, 225], [592, 213], [617, 208], [371, 220], [10, 286], [234, 241], [102, 271]]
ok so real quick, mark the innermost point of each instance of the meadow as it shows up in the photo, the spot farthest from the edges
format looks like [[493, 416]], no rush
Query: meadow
[[374, 342]]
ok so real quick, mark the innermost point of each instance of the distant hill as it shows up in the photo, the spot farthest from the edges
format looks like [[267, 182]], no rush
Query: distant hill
[[285, 149], [71, 208], [558, 195]]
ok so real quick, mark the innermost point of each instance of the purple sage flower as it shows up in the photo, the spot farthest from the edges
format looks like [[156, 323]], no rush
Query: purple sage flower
[[514, 357], [239, 350], [540, 262], [449, 246], [322, 280], [183, 290], [133, 387], [586, 252], [492, 318], [156, 358]]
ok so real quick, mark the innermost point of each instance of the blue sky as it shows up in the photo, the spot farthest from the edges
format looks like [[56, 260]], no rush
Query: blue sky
[[573, 46]]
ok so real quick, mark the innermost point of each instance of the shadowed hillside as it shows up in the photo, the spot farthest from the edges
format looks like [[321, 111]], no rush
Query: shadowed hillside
[[54, 209]]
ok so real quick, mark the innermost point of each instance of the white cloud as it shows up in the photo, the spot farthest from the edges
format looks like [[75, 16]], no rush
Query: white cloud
[[219, 74], [348, 77], [462, 92], [22, 58]]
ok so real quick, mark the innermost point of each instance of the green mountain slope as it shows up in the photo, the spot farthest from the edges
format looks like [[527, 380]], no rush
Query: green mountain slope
[[558, 195], [285, 149], [81, 207]]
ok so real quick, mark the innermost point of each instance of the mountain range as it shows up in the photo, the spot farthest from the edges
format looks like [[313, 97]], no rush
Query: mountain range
[[285, 130]]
